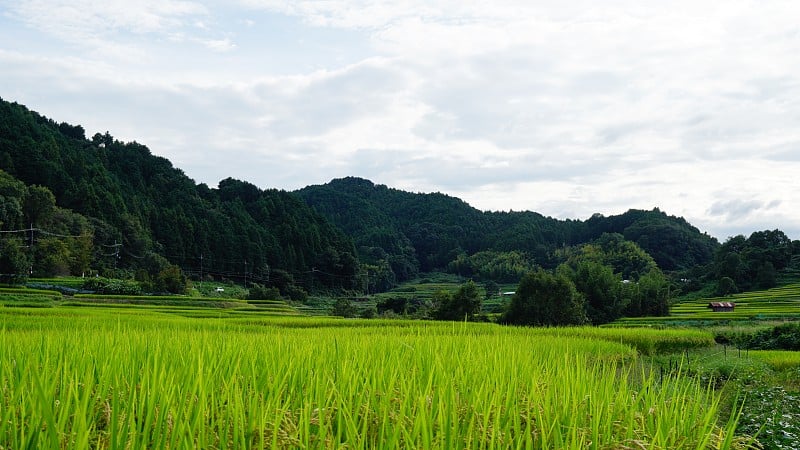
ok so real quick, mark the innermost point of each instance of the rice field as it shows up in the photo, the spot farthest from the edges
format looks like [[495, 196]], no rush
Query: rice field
[[781, 303], [777, 359], [77, 377]]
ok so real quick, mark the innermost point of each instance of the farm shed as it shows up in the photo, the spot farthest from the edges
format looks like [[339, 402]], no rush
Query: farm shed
[[722, 306]]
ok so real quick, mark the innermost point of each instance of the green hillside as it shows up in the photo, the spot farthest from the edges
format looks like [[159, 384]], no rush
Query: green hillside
[[412, 232], [104, 205]]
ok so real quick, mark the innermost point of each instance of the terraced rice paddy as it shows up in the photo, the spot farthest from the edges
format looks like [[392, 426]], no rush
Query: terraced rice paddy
[[184, 306], [133, 377], [782, 303]]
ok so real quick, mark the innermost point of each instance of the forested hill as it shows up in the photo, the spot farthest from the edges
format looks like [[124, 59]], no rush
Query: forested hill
[[131, 210], [410, 231], [70, 204]]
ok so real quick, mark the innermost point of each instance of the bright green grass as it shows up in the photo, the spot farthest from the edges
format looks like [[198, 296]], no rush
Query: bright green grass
[[777, 359], [781, 303], [70, 282], [26, 291], [78, 378]]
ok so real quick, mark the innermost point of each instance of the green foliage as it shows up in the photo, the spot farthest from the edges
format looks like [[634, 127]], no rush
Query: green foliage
[[112, 203], [14, 262], [543, 298], [503, 267], [410, 232], [772, 413], [343, 307], [370, 312], [39, 205], [103, 285], [171, 279], [726, 286], [259, 292], [159, 275], [12, 195], [781, 337], [463, 304], [672, 242], [754, 262], [601, 289], [649, 296], [296, 293], [397, 304], [624, 257]]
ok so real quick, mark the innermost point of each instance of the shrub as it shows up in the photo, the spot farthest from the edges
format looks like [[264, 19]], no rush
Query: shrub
[[343, 308], [259, 292], [103, 285], [782, 337]]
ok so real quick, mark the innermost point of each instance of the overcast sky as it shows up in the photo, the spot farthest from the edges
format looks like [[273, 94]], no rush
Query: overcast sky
[[567, 108]]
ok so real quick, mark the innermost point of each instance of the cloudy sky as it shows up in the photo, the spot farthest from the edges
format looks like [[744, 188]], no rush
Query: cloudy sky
[[567, 108]]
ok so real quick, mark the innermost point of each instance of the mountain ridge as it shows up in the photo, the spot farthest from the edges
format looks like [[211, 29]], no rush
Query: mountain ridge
[[328, 235]]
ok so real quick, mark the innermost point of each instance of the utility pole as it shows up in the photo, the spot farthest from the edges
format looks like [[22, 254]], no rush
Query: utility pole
[[30, 273], [201, 270], [245, 274]]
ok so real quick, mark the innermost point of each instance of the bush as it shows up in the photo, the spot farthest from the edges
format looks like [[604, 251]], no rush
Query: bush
[[369, 312], [343, 308], [259, 292], [103, 285], [297, 294], [782, 337]]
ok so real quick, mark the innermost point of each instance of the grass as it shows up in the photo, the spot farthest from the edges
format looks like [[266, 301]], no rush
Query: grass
[[777, 303], [778, 359], [766, 306], [26, 291], [135, 378]]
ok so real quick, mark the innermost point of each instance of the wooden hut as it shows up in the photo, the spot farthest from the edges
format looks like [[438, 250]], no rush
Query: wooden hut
[[722, 306]]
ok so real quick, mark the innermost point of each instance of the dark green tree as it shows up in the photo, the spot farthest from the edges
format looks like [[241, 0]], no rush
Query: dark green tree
[[14, 262], [39, 206], [543, 298], [343, 307], [654, 293], [726, 286], [600, 287], [463, 304]]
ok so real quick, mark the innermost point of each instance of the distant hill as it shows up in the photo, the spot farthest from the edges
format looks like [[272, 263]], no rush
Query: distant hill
[[414, 231], [98, 203], [137, 205]]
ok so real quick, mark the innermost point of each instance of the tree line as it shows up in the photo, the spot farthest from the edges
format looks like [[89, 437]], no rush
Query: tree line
[[76, 205], [138, 216]]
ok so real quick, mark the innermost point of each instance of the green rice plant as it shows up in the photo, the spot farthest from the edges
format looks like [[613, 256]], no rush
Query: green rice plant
[[70, 282], [27, 291], [777, 359], [136, 379], [158, 297], [648, 341], [27, 300]]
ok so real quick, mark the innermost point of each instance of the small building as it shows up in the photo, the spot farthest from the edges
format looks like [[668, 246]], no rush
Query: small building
[[722, 306]]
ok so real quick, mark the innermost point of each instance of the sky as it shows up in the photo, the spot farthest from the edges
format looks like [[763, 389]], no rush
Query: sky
[[567, 108]]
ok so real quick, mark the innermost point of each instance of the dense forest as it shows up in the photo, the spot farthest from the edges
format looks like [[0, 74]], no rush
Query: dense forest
[[96, 204], [402, 233], [70, 204]]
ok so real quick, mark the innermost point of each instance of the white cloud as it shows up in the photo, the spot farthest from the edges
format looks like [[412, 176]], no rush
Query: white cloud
[[566, 108], [78, 18]]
